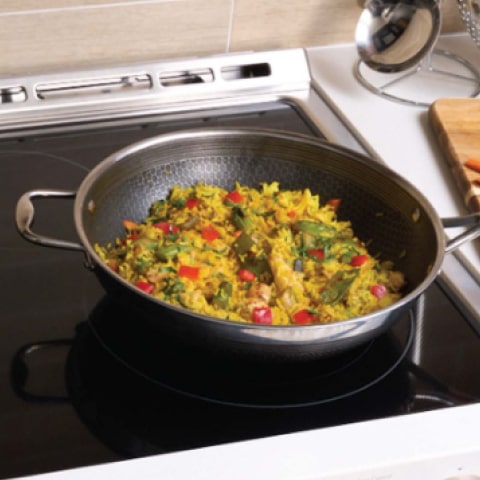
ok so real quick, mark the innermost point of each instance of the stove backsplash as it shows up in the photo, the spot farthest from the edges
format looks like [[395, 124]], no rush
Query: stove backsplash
[[55, 35]]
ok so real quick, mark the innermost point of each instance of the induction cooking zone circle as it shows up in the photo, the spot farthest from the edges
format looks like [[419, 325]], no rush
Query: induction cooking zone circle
[[135, 415], [213, 377]]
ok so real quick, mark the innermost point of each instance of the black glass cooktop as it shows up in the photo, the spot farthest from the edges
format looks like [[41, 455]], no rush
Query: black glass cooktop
[[82, 383]]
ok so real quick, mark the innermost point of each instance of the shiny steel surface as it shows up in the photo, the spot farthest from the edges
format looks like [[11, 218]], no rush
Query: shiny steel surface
[[67, 100], [394, 35], [470, 12], [384, 209]]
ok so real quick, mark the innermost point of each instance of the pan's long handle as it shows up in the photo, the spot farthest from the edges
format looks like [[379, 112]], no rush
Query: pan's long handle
[[25, 213], [472, 221]]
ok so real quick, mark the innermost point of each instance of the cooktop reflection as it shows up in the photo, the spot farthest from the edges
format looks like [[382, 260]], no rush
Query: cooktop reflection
[[212, 376], [140, 394]]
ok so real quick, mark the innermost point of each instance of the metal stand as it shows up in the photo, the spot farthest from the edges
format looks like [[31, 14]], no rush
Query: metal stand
[[425, 79]]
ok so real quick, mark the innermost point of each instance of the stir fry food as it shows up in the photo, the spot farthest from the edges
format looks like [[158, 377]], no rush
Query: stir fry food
[[265, 255]]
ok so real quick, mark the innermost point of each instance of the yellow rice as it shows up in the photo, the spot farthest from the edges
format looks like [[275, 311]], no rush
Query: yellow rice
[[264, 255]]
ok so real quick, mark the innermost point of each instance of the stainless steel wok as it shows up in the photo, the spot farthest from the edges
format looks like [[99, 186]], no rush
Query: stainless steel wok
[[385, 210]]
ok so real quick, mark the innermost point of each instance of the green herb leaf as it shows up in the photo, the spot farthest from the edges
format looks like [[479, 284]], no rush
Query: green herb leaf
[[223, 295], [316, 229], [243, 243], [174, 286], [256, 265], [178, 203], [168, 252], [241, 219], [337, 287], [158, 210]]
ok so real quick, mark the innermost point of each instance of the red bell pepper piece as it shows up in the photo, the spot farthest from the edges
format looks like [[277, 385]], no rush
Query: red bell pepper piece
[[188, 271], [316, 253], [378, 291], [334, 203], [234, 196], [262, 315], [358, 260], [132, 237], [303, 317], [246, 275], [166, 227], [209, 233], [113, 265], [192, 202], [145, 286]]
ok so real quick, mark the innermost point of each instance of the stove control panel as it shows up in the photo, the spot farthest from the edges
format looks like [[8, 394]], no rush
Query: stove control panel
[[13, 94]]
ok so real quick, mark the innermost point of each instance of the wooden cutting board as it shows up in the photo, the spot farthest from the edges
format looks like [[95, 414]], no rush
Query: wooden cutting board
[[456, 123]]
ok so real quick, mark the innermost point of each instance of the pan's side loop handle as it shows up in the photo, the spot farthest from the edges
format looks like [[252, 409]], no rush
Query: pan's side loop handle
[[20, 371], [473, 231], [25, 213]]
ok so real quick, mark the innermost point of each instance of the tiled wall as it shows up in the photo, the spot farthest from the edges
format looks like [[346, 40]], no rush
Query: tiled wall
[[49, 35]]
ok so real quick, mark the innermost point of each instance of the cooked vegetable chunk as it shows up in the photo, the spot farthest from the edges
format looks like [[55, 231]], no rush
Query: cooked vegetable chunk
[[266, 255]]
